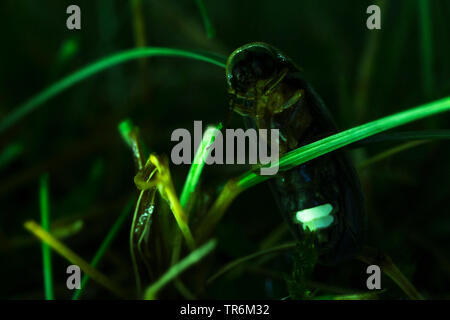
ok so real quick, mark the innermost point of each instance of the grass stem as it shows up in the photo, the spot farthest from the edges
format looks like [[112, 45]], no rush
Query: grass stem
[[105, 245], [72, 257], [45, 222]]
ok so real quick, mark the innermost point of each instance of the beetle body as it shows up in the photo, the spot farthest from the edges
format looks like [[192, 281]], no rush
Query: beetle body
[[323, 196]]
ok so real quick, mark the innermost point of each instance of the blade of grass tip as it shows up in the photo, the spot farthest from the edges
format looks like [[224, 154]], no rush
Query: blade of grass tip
[[11, 152], [130, 134], [94, 68], [192, 180], [427, 47], [72, 257], [341, 139], [105, 245], [125, 128], [210, 32], [197, 166], [45, 222], [174, 271]]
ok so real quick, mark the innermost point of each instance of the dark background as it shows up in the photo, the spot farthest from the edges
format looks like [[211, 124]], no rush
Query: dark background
[[361, 75]]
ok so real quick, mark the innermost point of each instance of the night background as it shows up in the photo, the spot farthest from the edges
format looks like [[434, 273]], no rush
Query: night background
[[361, 74]]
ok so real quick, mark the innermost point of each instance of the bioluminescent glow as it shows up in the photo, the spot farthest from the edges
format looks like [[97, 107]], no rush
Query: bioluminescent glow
[[315, 218], [310, 214], [317, 224]]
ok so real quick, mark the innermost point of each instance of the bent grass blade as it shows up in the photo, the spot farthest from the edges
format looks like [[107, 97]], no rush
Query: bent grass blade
[[94, 68], [71, 256]]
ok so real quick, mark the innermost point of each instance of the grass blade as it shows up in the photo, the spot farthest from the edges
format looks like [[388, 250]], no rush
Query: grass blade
[[105, 245], [197, 165], [403, 136], [177, 269], [341, 139], [94, 68], [192, 180], [390, 152], [71, 256], [232, 264], [210, 32], [45, 222]]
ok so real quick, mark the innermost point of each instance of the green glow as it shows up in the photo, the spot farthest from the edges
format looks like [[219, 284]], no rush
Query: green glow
[[198, 164], [46, 251], [341, 139], [310, 214], [125, 127], [320, 223], [94, 68], [68, 49]]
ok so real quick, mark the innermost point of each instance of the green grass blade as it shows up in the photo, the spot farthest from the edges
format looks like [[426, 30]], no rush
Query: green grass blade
[[355, 296], [390, 152], [105, 245], [403, 136], [341, 139], [45, 223], [177, 269], [192, 180], [197, 165], [210, 32], [234, 263], [94, 68]]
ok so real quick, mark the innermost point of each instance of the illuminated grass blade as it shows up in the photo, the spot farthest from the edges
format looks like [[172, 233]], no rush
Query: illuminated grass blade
[[341, 139], [177, 269], [94, 68], [355, 296], [72, 257], [105, 245], [192, 180], [210, 32], [197, 165], [46, 252], [125, 127], [403, 136]]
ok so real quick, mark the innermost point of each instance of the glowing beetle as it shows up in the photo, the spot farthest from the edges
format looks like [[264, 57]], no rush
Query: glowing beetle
[[322, 197]]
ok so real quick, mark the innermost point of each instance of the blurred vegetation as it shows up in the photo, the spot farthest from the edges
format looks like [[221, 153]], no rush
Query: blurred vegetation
[[361, 75]]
